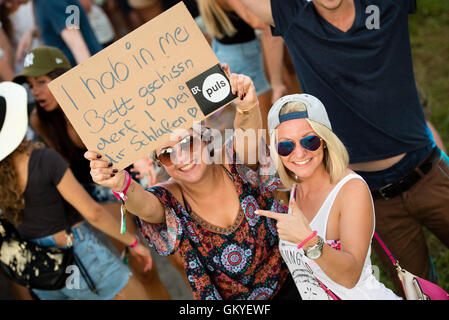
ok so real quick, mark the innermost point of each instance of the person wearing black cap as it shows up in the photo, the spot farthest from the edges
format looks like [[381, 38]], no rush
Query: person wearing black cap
[[40, 195]]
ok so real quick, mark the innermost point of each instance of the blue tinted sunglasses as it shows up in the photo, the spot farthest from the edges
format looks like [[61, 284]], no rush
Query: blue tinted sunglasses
[[312, 143]]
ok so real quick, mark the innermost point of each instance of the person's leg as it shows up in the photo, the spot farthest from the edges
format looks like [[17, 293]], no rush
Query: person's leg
[[133, 290], [176, 262], [404, 237], [150, 280], [429, 200]]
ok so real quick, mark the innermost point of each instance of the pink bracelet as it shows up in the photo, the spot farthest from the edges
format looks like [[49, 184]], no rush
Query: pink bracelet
[[134, 244], [307, 239], [122, 194]]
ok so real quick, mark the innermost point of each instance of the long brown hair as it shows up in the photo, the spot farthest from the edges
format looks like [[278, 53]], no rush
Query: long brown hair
[[54, 127], [12, 201]]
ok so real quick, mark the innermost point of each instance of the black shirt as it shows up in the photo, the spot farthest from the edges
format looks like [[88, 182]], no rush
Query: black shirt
[[363, 76], [245, 32], [45, 212]]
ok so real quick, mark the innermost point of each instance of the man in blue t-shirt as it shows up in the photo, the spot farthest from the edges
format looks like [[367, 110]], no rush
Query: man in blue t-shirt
[[355, 56], [64, 24]]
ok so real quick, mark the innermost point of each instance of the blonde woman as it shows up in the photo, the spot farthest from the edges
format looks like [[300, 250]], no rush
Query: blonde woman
[[235, 42], [325, 240]]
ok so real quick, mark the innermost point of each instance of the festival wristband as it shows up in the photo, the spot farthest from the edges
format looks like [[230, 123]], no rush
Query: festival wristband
[[122, 194], [122, 197], [136, 242]]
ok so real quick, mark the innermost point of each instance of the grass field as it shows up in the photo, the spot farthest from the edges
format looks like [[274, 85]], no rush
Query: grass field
[[429, 32]]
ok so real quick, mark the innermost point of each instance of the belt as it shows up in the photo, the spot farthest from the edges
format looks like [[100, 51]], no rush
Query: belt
[[405, 183]]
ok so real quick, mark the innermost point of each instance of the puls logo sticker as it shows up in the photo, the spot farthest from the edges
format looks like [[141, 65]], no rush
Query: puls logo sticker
[[216, 88], [211, 90]]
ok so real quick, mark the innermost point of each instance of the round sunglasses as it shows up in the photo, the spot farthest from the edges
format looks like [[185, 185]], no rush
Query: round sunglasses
[[186, 145], [311, 143]]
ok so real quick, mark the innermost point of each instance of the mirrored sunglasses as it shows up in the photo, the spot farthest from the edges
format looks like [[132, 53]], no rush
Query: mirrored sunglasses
[[311, 143]]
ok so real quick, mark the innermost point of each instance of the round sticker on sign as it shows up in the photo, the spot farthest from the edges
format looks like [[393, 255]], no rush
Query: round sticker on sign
[[216, 88]]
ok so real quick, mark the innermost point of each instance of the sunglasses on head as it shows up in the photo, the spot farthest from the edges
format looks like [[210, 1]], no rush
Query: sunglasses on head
[[311, 143]]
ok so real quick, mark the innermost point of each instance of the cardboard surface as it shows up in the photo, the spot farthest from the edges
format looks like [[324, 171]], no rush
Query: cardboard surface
[[128, 99]]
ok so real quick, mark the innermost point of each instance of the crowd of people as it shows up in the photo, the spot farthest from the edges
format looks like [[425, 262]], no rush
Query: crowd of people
[[355, 153]]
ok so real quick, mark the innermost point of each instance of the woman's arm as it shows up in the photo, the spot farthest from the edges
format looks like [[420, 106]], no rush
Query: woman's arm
[[72, 191], [273, 51], [25, 43], [248, 119], [355, 230], [261, 8], [141, 203], [75, 41], [6, 59], [246, 15]]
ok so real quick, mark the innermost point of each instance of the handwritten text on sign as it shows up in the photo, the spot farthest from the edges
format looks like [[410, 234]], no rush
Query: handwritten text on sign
[[126, 100]]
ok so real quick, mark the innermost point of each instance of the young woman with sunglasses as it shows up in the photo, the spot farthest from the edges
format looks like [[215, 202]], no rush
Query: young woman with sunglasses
[[205, 212], [331, 220]]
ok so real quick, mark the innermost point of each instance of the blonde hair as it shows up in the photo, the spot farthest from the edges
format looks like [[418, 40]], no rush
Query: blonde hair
[[336, 158], [215, 18]]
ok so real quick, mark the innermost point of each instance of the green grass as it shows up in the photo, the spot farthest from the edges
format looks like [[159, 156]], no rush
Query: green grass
[[429, 33]]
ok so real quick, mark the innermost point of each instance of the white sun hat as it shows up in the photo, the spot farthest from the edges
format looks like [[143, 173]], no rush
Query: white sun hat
[[13, 117]]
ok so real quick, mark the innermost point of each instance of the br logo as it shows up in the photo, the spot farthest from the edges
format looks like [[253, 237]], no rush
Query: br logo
[[211, 89]]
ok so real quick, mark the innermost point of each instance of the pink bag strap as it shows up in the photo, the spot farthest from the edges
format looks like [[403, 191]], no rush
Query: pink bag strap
[[382, 244], [327, 290]]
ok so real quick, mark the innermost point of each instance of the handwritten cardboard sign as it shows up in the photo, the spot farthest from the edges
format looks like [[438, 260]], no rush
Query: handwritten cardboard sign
[[126, 100]]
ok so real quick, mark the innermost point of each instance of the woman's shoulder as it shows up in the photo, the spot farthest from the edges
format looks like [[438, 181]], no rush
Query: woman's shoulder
[[47, 159], [350, 176], [168, 191], [354, 191]]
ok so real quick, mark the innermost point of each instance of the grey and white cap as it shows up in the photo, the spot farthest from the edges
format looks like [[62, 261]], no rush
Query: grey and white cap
[[315, 111]]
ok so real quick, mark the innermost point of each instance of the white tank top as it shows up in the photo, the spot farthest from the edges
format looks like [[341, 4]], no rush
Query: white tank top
[[305, 271]]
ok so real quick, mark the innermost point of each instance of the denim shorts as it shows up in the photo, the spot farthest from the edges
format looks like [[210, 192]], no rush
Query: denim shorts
[[244, 58], [108, 273]]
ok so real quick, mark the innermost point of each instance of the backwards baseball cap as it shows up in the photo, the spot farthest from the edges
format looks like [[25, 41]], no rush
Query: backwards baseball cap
[[13, 117], [41, 61], [315, 111]]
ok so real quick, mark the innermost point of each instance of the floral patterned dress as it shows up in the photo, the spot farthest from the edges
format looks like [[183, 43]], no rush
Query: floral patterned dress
[[240, 262]]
